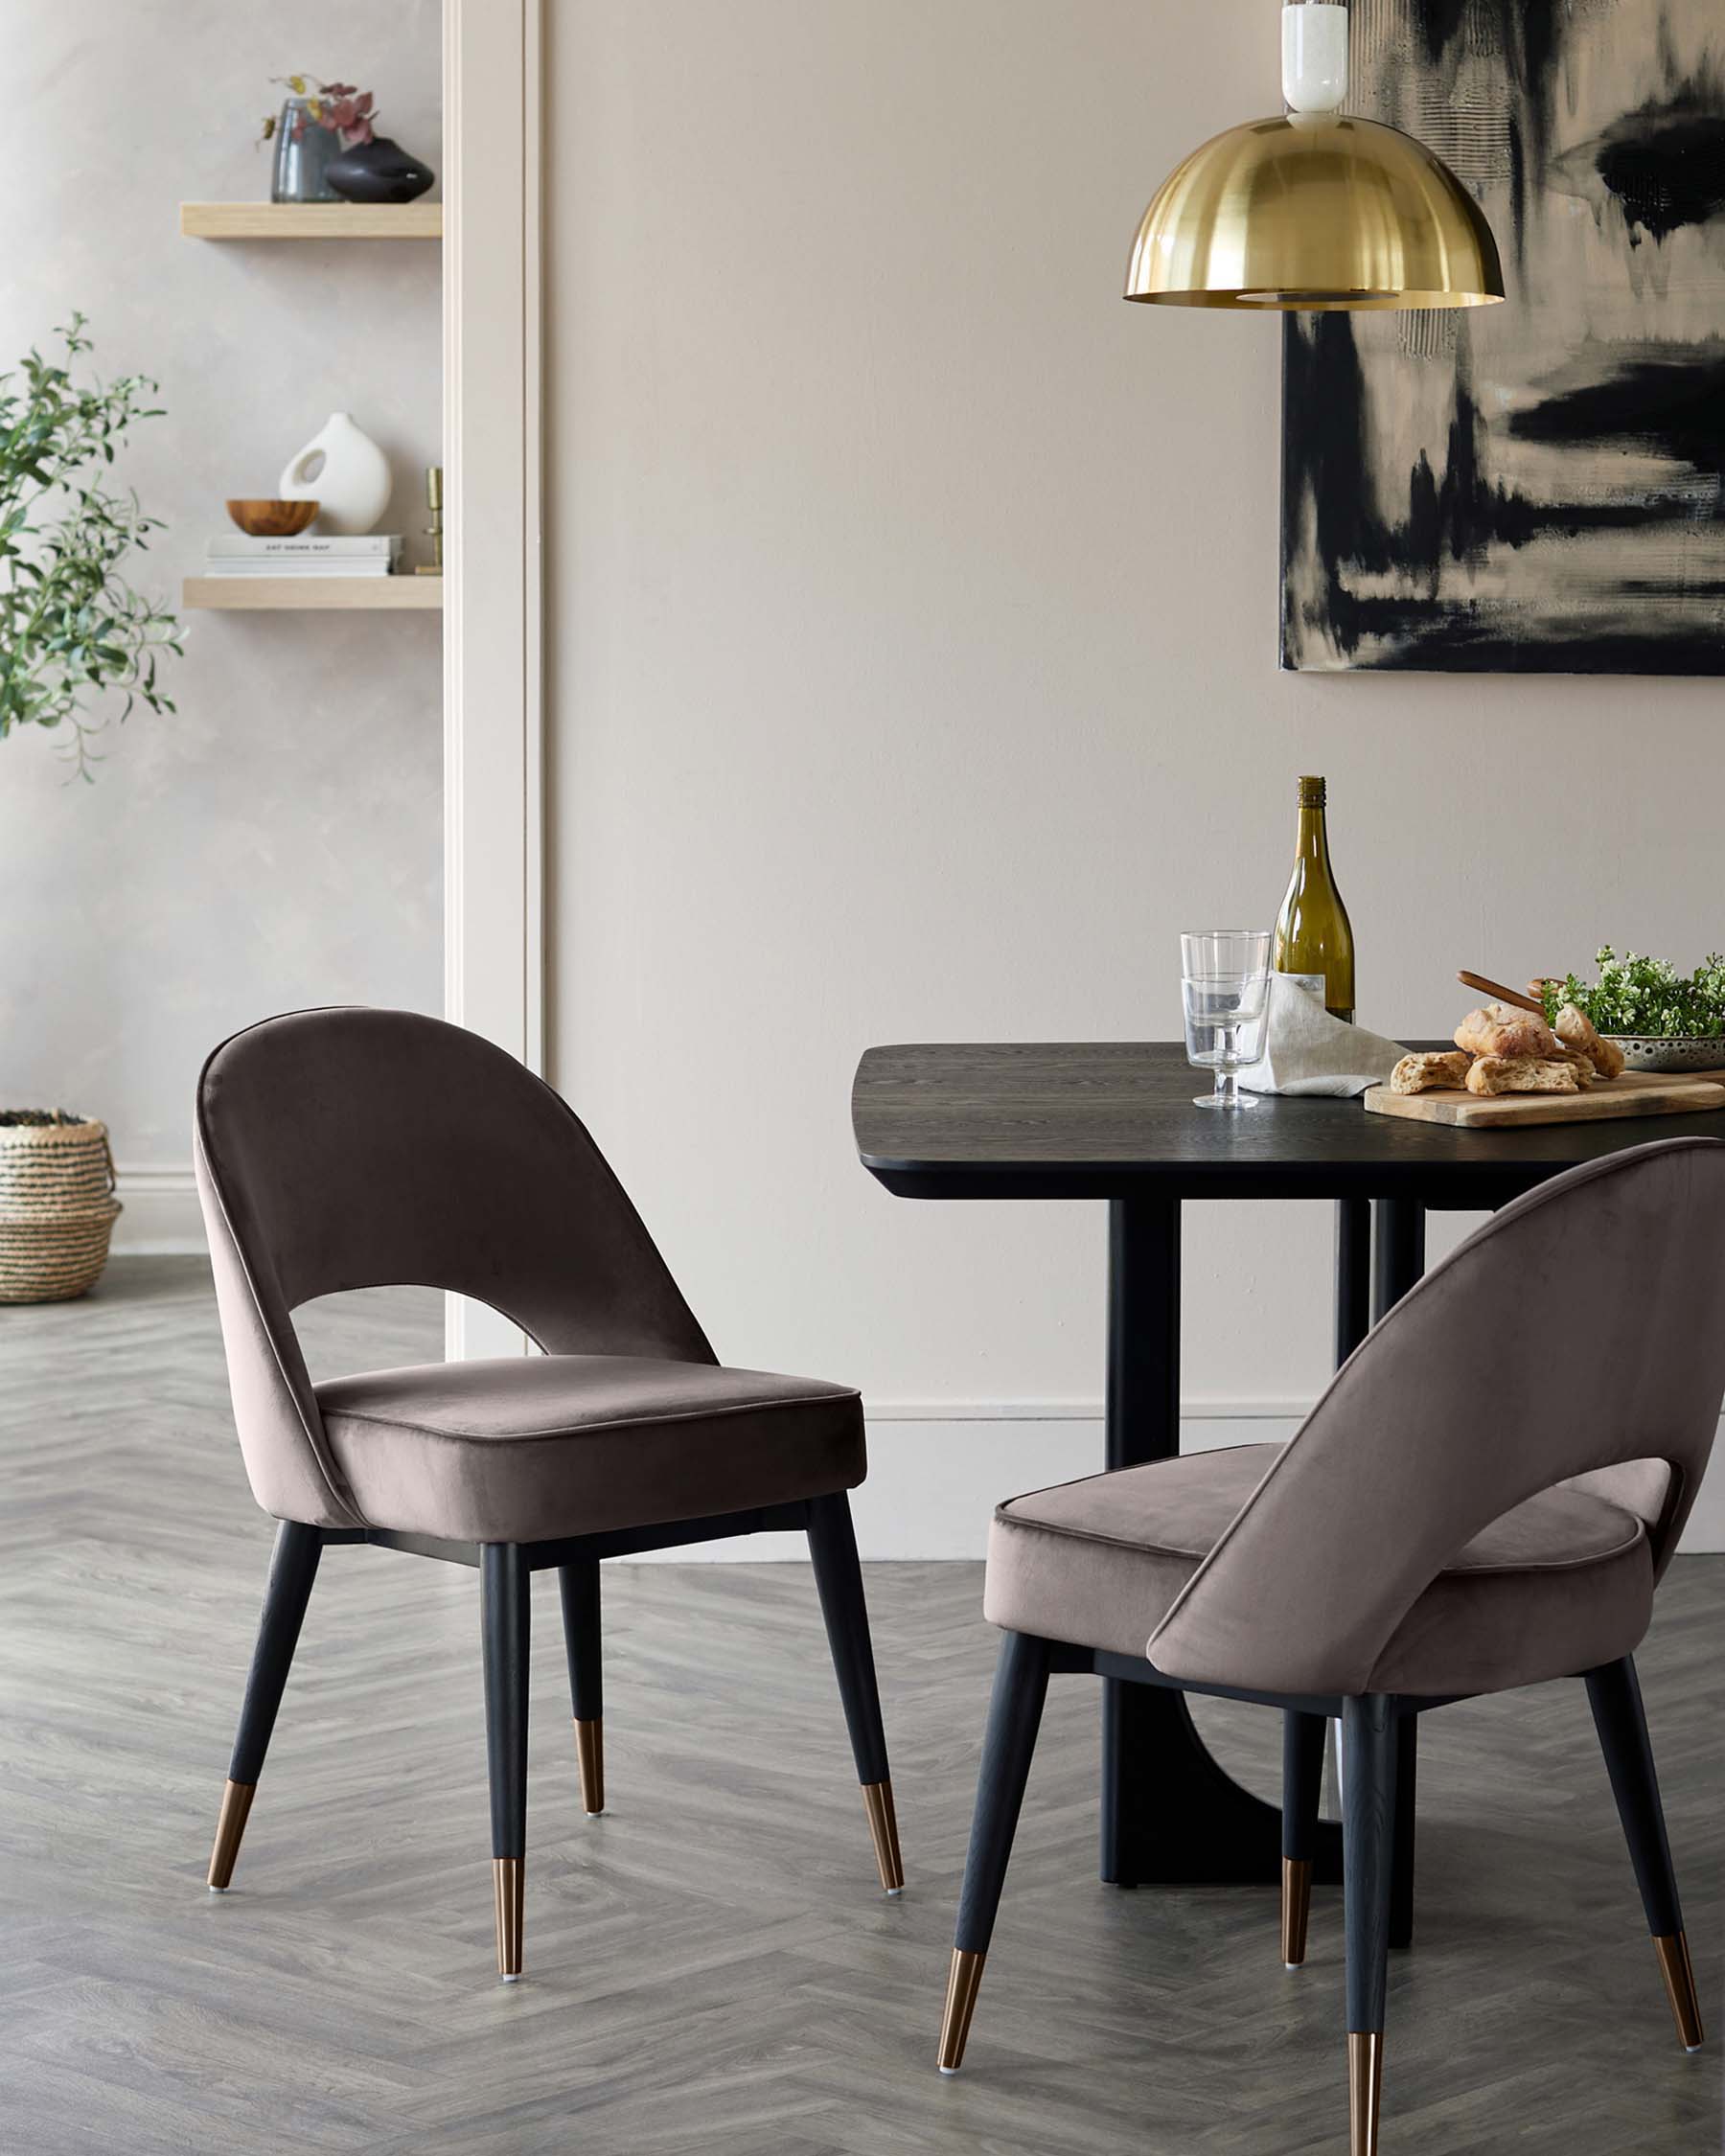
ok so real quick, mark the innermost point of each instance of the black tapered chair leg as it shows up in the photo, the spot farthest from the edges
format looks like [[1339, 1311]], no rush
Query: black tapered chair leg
[[1370, 1746], [1407, 1823], [1614, 1693], [579, 1584], [504, 1581], [292, 1569], [1304, 1739], [1014, 1715], [839, 1581]]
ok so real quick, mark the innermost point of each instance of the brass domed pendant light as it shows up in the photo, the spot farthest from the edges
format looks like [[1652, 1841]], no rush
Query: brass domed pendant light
[[1316, 210]]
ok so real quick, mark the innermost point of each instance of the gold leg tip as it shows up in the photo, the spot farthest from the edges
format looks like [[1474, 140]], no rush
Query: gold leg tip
[[1679, 1973], [230, 1826], [1296, 1910], [508, 1881], [1365, 2091], [883, 1830], [963, 1980], [589, 1763]]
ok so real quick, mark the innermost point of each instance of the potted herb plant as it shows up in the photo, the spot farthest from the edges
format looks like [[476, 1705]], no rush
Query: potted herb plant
[[1661, 1019]]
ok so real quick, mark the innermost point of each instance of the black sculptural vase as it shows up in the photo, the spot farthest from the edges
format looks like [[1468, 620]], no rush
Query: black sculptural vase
[[379, 171]]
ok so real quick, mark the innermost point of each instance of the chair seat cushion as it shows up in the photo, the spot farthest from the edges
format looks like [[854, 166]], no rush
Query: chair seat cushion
[[527, 1447], [1557, 1586]]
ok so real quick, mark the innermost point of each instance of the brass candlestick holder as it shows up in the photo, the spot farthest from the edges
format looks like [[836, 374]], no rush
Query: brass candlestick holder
[[434, 530]]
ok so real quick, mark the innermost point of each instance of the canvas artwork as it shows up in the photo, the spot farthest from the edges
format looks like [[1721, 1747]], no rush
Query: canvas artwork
[[1537, 487]]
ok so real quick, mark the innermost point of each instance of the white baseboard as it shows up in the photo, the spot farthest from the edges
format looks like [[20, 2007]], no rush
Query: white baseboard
[[161, 1217], [937, 1468], [936, 1472], [1704, 1533]]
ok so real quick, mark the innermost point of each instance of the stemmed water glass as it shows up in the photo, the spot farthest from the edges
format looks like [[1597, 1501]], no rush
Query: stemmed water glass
[[1225, 982]]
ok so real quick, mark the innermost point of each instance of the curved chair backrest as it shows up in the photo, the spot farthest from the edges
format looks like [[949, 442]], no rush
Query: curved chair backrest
[[1581, 1329], [352, 1148]]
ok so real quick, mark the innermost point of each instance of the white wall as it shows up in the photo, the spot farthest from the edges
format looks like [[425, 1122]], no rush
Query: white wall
[[277, 842], [912, 608]]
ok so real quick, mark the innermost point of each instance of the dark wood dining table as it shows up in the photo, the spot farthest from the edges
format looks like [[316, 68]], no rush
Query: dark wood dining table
[[1114, 1121]]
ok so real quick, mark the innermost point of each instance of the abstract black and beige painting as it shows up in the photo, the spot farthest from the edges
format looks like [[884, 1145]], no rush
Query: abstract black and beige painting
[[1537, 487]]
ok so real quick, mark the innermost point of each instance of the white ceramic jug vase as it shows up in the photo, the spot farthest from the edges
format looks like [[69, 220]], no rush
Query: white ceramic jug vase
[[344, 471]]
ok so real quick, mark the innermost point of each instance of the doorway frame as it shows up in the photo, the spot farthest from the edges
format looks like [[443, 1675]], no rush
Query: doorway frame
[[494, 671]]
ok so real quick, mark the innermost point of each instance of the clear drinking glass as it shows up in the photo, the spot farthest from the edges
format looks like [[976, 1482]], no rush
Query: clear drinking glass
[[1225, 982]]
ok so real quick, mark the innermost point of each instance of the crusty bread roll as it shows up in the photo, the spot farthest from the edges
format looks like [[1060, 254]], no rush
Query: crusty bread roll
[[1497, 1030], [1522, 1074], [1582, 1066], [1576, 1030], [1420, 1073]]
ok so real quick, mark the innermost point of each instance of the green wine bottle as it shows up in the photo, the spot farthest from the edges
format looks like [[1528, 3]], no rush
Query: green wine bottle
[[1312, 932]]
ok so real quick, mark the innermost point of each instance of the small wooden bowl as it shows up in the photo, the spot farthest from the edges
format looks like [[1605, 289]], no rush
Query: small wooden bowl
[[272, 520]]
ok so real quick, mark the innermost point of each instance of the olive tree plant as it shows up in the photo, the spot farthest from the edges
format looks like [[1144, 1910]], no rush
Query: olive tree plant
[[75, 636]]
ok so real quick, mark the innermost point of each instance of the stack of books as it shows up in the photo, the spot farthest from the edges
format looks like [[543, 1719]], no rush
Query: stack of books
[[233, 555]]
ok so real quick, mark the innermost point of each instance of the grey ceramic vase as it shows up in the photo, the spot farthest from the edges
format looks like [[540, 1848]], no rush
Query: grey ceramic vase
[[379, 171]]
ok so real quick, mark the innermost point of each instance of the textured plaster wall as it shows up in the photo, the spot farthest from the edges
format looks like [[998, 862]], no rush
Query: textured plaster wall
[[914, 610], [277, 843]]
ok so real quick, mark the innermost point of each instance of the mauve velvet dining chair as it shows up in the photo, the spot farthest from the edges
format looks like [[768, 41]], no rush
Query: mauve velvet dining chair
[[350, 1148], [1486, 1498]]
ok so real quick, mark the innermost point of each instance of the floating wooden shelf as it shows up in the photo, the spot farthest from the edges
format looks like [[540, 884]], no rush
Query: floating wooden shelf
[[270, 594], [312, 220]]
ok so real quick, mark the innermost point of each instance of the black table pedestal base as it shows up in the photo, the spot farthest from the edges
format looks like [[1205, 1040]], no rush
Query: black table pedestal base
[[1398, 1238], [1171, 1817]]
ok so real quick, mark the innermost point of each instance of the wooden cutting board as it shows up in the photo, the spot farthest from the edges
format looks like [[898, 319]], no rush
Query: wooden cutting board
[[1637, 1092]]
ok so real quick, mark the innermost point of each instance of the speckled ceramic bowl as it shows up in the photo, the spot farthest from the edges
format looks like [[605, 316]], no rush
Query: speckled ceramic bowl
[[1649, 1051]]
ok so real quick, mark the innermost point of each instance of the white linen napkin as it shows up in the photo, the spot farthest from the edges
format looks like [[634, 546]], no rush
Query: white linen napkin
[[1307, 1052]]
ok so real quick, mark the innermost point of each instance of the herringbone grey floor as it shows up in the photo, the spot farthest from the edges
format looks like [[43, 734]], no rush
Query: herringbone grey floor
[[710, 1966]]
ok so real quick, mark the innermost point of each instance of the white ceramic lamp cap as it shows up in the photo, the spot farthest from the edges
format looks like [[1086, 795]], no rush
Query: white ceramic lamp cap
[[1315, 58]]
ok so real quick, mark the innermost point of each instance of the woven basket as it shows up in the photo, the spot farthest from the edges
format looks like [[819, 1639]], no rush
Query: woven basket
[[57, 1204]]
